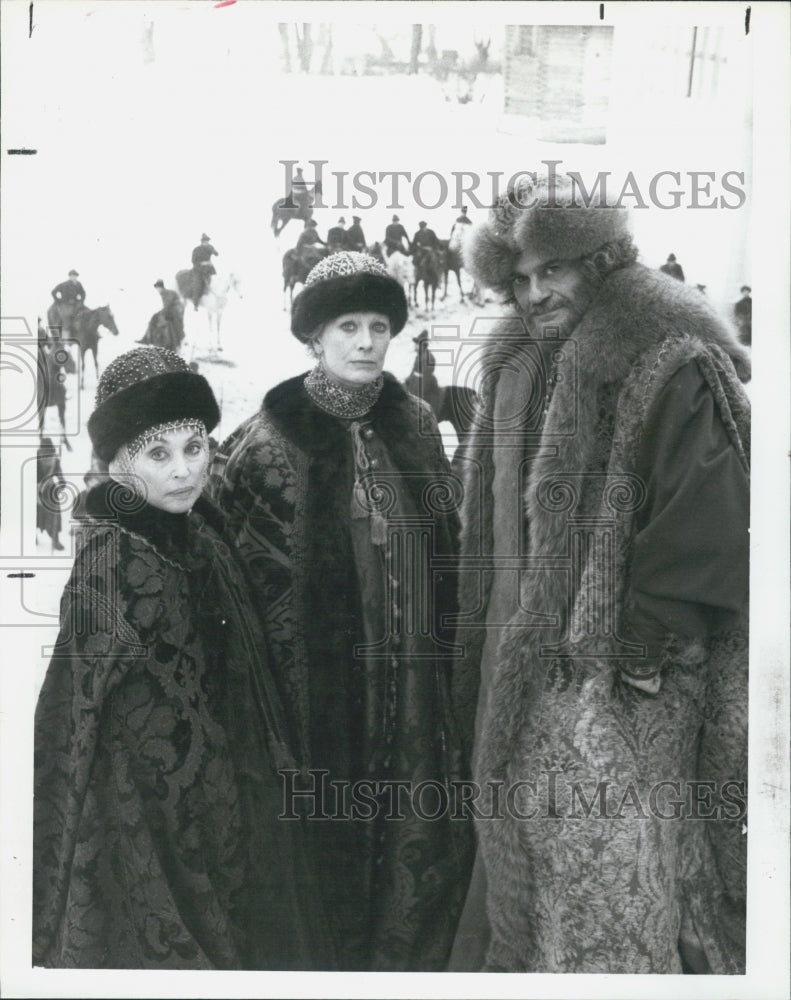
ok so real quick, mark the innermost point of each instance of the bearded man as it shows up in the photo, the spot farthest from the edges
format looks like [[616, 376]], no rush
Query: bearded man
[[603, 606]]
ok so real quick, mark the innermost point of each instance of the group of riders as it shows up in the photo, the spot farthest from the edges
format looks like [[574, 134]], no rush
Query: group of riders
[[166, 326], [396, 238]]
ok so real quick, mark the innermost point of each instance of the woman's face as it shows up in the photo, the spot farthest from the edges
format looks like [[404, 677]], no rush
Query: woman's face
[[173, 468], [352, 348]]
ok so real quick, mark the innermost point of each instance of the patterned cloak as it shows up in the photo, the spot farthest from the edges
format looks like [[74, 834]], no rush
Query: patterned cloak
[[368, 697], [603, 859], [158, 731]]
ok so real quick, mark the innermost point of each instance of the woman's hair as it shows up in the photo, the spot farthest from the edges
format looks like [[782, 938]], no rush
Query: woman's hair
[[313, 339], [610, 257]]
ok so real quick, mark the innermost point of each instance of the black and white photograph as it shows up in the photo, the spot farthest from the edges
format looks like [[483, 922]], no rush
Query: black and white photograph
[[394, 538]]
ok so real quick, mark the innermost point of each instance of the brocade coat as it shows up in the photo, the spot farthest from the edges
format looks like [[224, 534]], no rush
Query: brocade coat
[[158, 732], [629, 510], [367, 712]]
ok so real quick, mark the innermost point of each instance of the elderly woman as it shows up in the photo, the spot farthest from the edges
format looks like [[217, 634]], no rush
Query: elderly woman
[[340, 497], [158, 730]]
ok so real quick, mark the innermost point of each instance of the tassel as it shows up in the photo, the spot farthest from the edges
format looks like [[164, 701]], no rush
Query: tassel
[[378, 528], [360, 504]]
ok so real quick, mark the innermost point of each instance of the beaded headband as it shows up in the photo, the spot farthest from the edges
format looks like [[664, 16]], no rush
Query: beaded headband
[[136, 445]]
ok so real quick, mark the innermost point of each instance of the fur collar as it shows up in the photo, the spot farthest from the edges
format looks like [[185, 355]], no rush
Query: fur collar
[[109, 503], [634, 309], [395, 417]]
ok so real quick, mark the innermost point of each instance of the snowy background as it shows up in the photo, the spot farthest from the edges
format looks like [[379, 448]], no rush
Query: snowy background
[[154, 122]]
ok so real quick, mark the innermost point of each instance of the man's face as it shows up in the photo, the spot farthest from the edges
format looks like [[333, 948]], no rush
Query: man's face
[[551, 293]]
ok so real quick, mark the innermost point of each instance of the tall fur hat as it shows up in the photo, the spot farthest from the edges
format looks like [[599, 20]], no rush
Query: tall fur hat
[[347, 282], [143, 388], [549, 216]]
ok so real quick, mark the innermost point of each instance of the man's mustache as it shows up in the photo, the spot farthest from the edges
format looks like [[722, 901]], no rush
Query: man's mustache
[[545, 309]]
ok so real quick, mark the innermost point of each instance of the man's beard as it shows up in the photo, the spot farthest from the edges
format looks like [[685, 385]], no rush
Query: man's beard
[[567, 314], [560, 322]]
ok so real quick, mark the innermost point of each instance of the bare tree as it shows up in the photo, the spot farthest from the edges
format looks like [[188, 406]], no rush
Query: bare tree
[[431, 48], [387, 52], [417, 41], [147, 41], [283, 29], [482, 48], [325, 36], [304, 45]]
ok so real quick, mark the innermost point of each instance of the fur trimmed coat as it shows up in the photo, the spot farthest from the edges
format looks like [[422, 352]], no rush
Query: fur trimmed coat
[[369, 708], [158, 734], [617, 688]]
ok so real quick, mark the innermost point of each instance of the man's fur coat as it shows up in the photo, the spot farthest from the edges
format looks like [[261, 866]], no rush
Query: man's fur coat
[[605, 885]]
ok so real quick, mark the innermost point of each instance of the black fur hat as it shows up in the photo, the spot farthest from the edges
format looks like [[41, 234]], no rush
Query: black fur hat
[[143, 388], [347, 282]]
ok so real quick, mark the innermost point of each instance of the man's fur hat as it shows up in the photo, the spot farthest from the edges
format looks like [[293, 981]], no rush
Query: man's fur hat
[[550, 216]]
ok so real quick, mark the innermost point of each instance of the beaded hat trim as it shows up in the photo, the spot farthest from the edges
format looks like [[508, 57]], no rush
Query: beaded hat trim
[[343, 263], [135, 446]]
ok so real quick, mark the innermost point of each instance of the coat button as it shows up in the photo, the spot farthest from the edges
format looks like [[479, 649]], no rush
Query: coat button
[[368, 433], [374, 463]]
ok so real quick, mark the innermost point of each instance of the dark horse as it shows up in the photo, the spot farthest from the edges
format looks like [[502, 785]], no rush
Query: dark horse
[[296, 268], [298, 205], [54, 363], [457, 406], [427, 270], [84, 328], [450, 261]]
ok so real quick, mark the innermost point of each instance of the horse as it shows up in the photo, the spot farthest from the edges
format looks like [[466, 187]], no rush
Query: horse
[[54, 363], [457, 406], [400, 267], [84, 328], [427, 270], [296, 268], [298, 205], [450, 260], [214, 299]]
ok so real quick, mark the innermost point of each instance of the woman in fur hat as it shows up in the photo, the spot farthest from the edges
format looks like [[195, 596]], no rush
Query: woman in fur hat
[[341, 500], [158, 728]]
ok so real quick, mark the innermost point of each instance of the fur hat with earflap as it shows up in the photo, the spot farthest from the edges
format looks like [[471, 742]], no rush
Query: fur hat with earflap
[[549, 216]]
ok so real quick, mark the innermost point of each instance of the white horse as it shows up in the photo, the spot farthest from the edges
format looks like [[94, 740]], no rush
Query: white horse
[[214, 300], [401, 267]]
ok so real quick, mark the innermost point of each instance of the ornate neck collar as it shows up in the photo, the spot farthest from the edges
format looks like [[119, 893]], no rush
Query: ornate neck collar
[[339, 400]]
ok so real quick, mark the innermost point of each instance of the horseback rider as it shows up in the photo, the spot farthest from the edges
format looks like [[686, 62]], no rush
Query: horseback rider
[[299, 189], [166, 327], [202, 268], [355, 238], [421, 381], [69, 298], [309, 242], [458, 229], [673, 268], [425, 238], [337, 237], [396, 237]]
